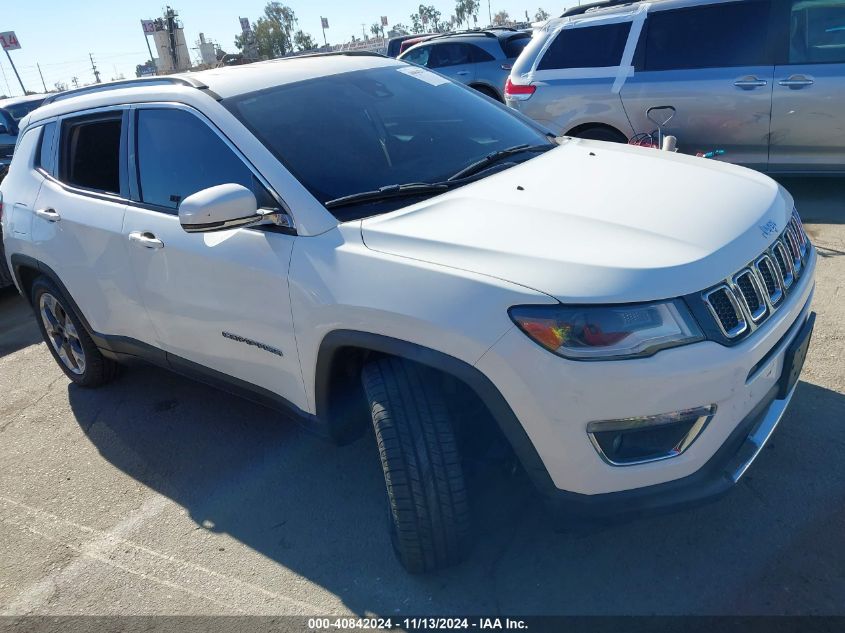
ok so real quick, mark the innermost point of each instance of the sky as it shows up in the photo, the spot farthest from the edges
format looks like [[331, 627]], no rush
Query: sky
[[59, 34]]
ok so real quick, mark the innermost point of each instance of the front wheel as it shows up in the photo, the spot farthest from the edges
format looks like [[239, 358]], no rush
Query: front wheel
[[429, 512]]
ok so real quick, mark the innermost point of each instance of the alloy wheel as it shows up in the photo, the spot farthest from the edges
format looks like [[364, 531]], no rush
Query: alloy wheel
[[62, 334]]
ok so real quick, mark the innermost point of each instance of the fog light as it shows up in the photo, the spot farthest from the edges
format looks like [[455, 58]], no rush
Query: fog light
[[629, 441]]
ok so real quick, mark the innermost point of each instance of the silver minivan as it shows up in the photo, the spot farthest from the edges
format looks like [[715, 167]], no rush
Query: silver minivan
[[763, 80]]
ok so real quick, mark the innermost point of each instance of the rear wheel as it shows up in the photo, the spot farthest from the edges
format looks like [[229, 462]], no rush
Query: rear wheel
[[428, 508], [600, 133], [67, 338], [485, 90]]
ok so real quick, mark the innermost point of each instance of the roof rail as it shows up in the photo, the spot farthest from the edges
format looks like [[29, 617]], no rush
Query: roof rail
[[484, 32], [603, 4], [127, 83]]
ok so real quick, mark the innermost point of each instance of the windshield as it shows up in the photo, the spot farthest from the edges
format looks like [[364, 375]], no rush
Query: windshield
[[20, 110], [359, 131]]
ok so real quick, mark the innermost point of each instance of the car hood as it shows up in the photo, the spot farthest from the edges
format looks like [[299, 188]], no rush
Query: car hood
[[595, 222]]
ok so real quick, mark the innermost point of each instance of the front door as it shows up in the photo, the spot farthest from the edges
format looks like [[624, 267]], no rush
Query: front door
[[712, 63], [217, 300], [808, 105]]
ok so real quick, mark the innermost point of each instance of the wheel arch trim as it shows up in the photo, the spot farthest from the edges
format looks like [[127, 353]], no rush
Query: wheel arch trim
[[471, 376]]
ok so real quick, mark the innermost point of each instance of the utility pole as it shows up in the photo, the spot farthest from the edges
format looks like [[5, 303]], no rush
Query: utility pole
[[42, 76], [12, 64], [94, 68], [489, 12]]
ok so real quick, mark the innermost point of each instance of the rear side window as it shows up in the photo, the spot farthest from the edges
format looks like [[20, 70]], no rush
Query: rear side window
[[178, 154], [451, 54], [817, 32], [91, 152], [587, 47], [44, 157], [712, 36], [515, 45], [479, 54]]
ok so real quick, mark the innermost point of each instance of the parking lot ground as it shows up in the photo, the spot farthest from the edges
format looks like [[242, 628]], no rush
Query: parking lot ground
[[156, 495]]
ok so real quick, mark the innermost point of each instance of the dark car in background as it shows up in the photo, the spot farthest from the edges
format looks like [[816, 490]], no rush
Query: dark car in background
[[479, 59]]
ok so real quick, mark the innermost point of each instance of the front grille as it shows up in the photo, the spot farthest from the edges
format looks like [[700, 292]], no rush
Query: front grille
[[725, 308], [752, 294]]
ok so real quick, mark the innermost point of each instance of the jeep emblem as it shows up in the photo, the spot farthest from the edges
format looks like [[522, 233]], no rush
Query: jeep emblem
[[768, 228]]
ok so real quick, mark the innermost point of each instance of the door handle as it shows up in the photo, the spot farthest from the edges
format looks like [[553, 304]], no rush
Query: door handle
[[796, 81], [462, 72], [51, 215], [146, 239], [749, 83]]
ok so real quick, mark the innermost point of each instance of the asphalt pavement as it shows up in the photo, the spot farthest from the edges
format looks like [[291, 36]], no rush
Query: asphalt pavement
[[157, 495]]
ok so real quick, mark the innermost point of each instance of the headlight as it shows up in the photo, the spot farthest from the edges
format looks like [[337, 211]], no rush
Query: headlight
[[608, 332]]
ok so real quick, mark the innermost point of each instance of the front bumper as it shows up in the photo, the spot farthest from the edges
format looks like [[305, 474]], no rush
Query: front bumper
[[554, 400]]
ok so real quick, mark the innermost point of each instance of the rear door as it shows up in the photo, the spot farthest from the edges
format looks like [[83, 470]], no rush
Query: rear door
[[714, 64], [78, 220], [453, 59], [808, 105], [218, 300]]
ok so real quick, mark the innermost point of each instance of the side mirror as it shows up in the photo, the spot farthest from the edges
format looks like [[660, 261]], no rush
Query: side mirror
[[219, 208], [4, 129]]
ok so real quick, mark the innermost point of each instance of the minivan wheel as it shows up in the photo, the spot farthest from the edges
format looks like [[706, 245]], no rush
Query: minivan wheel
[[599, 133], [418, 448], [67, 339]]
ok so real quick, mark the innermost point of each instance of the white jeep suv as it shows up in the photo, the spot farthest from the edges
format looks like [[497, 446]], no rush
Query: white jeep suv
[[360, 241]]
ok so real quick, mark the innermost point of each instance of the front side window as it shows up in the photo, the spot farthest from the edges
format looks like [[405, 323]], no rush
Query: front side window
[[817, 32], [419, 56], [178, 155], [710, 36], [358, 131], [90, 156], [587, 47]]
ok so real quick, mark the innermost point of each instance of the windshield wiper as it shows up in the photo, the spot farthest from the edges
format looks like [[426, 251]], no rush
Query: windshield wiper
[[495, 157], [389, 191]]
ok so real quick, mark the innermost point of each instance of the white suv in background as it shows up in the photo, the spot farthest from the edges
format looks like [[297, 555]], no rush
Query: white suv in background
[[360, 241], [763, 80]]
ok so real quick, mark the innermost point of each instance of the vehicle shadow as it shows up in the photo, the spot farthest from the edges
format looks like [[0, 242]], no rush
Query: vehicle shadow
[[18, 328], [319, 511], [819, 200]]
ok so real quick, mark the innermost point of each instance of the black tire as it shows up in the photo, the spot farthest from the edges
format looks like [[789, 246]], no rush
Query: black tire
[[599, 133], [485, 90], [429, 512], [95, 369]]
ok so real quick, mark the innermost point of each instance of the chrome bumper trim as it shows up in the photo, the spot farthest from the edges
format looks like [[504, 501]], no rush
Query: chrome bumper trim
[[757, 439]]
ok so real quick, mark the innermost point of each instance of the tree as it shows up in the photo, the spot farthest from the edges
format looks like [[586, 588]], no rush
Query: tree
[[501, 18], [466, 9], [303, 41], [273, 31], [416, 24], [427, 18], [542, 15], [399, 28], [375, 29]]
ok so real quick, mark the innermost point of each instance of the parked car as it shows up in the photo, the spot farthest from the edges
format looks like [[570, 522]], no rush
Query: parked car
[[19, 107], [450, 271], [761, 79], [479, 59], [394, 45]]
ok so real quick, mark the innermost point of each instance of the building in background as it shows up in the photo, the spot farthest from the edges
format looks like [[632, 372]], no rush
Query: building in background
[[207, 50], [171, 49]]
